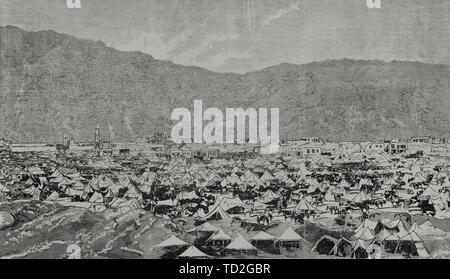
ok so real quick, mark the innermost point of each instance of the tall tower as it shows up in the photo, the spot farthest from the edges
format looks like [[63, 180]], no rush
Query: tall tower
[[97, 143], [66, 140]]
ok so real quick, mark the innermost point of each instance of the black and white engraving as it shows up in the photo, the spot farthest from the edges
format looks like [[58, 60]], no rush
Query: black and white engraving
[[224, 129]]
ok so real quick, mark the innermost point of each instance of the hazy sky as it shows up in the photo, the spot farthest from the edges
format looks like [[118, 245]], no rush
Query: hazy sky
[[246, 35]]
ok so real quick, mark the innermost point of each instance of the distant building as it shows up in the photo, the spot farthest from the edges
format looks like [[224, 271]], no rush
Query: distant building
[[307, 149], [180, 152], [311, 140], [428, 139], [350, 147], [397, 147], [302, 141], [160, 136], [420, 139], [33, 147], [379, 147]]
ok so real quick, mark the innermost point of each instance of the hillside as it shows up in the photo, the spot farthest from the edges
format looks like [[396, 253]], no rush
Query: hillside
[[53, 84]]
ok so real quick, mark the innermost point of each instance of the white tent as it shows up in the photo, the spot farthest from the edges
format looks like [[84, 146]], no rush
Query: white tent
[[290, 235], [171, 242], [262, 236], [268, 196], [217, 213], [220, 235], [192, 252], [305, 205], [205, 227], [428, 229], [240, 244]]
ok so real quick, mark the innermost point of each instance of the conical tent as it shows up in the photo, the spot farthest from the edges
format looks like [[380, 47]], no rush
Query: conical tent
[[361, 197], [192, 252], [267, 176], [304, 205], [227, 202], [217, 213], [263, 236], [290, 235], [241, 244], [219, 235], [170, 242], [268, 196], [205, 227], [344, 184]]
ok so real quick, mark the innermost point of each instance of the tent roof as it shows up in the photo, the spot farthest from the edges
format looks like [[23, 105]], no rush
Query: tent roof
[[219, 235], [171, 241], [365, 234], [367, 224], [303, 204], [290, 235], [217, 210], [193, 252], [263, 236], [411, 236], [240, 243], [427, 228], [205, 227]]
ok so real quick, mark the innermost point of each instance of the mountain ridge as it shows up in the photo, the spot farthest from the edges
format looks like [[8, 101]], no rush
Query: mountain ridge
[[53, 84]]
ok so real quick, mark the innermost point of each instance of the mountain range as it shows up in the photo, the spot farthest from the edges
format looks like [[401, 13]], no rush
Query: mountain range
[[53, 84]]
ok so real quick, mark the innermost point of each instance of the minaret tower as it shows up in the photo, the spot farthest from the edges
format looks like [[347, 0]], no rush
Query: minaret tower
[[97, 143], [66, 140]]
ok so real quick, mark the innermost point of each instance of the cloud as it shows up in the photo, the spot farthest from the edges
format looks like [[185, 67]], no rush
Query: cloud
[[281, 12], [185, 48]]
